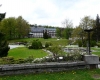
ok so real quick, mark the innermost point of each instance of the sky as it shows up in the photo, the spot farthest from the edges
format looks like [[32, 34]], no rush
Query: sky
[[51, 12]]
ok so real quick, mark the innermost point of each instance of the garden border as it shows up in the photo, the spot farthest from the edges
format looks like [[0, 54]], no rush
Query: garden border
[[13, 69]]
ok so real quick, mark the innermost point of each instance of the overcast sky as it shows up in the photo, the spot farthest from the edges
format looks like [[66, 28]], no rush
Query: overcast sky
[[51, 12]]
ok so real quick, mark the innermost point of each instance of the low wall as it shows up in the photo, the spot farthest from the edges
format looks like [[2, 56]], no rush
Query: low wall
[[42, 67]]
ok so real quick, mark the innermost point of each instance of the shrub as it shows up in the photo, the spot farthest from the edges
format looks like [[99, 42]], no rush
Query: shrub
[[74, 56], [47, 44], [39, 44], [93, 43], [30, 47], [98, 44], [8, 60], [29, 59], [4, 48], [36, 44], [37, 60], [19, 61]]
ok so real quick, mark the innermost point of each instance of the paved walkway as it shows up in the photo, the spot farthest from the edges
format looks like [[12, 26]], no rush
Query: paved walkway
[[15, 46]]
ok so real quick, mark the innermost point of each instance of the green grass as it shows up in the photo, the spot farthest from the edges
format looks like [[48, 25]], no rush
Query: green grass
[[23, 52], [96, 51], [68, 75], [54, 41]]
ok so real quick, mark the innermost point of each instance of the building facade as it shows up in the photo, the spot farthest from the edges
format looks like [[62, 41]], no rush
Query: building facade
[[37, 31]]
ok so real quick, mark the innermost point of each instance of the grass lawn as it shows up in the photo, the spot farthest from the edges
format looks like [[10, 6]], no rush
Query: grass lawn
[[68, 75], [96, 51], [23, 52], [54, 41]]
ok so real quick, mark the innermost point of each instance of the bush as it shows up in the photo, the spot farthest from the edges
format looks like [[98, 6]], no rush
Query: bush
[[4, 48], [93, 43], [8, 60], [36, 44], [39, 44], [19, 61], [47, 44], [74, 56], [98, 44], [29, 59]]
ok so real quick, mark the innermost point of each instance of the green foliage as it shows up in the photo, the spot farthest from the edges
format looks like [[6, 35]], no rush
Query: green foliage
[[58, 32], [98, 44], [15, 27], [80, 44], [45, 35], [84, 23], [96, 32], [47, 44], [7, 60], [56, 50], [54, 41], [68, 28], [74, 56], [67, 32], [36, 44], [12, 60], [2, 16], [19, 61], [93, 43], [29, 59], [4, 48]]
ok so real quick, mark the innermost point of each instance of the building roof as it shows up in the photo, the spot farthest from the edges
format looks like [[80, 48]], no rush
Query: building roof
[[51, 29], [37, 29]]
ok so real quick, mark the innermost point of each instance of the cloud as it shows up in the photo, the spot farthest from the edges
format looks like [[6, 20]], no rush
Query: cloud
[[50, 12]]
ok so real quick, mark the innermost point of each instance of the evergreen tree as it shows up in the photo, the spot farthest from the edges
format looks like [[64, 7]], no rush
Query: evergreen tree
[[45, 34], [4, 48], [97, 29]]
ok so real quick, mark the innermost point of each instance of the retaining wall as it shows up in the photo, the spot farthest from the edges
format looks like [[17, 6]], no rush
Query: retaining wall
[[42, 67]]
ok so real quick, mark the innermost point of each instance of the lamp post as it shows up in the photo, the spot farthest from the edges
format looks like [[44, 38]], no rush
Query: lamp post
[[91, 60], [88, 29]]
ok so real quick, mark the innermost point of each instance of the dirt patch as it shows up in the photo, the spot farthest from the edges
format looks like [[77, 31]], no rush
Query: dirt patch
[[96, 76]]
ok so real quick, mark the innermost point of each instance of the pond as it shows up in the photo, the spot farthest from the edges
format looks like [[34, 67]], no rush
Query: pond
[[15, 46]]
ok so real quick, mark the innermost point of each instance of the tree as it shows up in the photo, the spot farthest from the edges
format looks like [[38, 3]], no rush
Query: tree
[[4, 48], [68, 28], [15, 27], [3, 43], [2, 16], [58, 32], [96, 35], [45, 34], [78, 34], [8, 26], [85, 22], [23, 27]]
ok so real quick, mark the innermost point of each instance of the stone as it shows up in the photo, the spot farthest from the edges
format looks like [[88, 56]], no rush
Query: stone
[[91, 59]]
